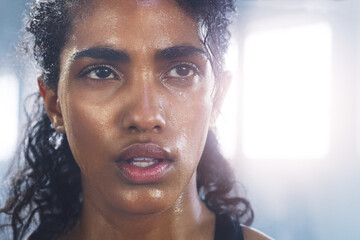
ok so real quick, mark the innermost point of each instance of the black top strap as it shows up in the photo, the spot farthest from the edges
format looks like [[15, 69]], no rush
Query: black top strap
[[227, 229]]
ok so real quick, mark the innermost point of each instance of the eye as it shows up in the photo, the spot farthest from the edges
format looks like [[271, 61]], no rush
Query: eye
[[182, 71], [99, 72], [182, 75]]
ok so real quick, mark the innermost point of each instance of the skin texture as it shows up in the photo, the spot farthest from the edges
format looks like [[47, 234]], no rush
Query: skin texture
[[141, 102], [143, 98]]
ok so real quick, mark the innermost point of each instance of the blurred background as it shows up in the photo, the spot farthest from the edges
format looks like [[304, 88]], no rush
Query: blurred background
[[290, 124]]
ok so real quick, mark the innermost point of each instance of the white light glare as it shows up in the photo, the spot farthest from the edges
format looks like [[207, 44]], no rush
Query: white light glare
[[287, 91], [227, 123], [9, 99]]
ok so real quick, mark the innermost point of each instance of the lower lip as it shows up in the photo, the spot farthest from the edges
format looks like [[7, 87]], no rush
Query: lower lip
[[138, 175]]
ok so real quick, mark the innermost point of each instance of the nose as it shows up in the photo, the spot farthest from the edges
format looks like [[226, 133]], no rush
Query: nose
[[144, 111]]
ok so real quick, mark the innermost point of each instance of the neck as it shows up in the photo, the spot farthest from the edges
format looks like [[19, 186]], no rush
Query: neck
[[187, 218]]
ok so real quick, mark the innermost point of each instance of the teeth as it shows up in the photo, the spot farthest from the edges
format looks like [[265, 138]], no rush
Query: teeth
[[144, 162], [144, 159]]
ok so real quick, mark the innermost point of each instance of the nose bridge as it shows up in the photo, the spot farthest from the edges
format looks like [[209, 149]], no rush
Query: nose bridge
[[145, 100], [144, 111]]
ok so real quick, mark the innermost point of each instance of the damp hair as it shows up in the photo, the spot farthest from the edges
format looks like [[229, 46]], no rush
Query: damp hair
[[45, 193]]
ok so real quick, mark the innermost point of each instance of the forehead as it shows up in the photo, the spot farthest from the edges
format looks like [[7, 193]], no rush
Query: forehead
[[134, 25]]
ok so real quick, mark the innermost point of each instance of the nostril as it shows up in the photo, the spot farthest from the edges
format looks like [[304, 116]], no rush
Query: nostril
[[157, 128], [132, 128]]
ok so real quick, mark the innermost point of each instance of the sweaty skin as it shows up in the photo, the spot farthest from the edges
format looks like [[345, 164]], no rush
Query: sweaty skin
[[132, 73]]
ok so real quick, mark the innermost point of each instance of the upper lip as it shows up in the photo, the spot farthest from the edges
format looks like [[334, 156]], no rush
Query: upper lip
[[143, 150]]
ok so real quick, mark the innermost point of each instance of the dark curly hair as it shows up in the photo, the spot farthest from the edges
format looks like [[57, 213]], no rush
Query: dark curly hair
[[45, 196]]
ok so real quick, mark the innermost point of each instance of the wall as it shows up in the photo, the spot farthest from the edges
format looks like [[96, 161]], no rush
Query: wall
[[307, 197]]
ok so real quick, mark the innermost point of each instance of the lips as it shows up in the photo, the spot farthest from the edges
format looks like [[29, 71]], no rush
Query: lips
[[144, 163]]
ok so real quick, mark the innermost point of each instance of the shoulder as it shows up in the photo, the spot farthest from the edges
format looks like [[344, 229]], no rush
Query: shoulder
[[253, 234]]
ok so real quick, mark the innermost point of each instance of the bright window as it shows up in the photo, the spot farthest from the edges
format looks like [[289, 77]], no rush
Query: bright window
[[287, 93]]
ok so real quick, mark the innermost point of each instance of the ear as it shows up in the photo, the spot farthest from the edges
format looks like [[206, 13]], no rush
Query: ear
[[221, 89], [52, 105]]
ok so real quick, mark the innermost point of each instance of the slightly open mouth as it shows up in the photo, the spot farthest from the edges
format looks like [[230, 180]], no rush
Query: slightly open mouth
[[143, 162]]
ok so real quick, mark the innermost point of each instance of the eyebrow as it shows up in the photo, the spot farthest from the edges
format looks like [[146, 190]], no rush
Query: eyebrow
[[103, 53], [110, 54], [175, 52]]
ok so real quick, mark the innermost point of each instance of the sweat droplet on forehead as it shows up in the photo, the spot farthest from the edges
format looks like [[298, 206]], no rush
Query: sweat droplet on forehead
[[147, 3]]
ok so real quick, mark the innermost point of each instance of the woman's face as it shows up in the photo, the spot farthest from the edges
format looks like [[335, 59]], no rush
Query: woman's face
[[135, 96]]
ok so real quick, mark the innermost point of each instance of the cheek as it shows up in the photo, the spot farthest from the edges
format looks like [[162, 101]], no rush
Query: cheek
[[86, 127], [192, 127]]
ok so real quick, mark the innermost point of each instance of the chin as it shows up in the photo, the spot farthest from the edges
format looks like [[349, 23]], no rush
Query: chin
[[147, 208], [145, 201]]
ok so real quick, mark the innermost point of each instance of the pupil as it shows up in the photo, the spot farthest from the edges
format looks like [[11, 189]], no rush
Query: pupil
[[103, 73], [182, 71]]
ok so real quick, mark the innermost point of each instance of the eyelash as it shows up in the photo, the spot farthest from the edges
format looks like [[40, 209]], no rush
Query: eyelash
[[188, 65], [89, 69]]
